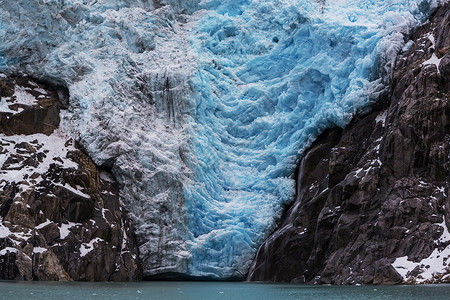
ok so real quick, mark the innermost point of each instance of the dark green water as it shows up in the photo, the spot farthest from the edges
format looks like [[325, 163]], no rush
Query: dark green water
[[213, 290]]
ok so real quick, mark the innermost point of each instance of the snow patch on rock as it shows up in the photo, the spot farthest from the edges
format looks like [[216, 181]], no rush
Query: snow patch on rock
[[64, 229], [436, 266], [85, 248]]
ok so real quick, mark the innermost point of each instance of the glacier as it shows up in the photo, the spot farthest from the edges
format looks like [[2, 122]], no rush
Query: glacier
[[202, 109]]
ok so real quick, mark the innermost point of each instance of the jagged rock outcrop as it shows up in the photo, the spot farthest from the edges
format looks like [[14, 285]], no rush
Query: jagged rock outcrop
[[372, 201], [60, 215]]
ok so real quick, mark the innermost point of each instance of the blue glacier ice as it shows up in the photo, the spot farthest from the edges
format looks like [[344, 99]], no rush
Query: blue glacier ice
[[203, 108]]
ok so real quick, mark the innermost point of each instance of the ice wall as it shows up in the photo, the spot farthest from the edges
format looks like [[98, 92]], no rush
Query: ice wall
[[202, 108], [272, 75]]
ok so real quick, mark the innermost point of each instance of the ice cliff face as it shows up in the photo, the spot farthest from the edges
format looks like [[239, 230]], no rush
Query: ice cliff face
[[202, 108]]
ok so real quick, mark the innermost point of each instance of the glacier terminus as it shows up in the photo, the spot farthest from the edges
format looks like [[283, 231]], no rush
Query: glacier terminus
[[203, 108]]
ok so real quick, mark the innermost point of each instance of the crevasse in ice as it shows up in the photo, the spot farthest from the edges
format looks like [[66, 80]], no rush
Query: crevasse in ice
[[203, 108]]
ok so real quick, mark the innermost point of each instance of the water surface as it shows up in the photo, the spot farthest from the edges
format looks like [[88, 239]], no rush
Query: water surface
[[213, 290]]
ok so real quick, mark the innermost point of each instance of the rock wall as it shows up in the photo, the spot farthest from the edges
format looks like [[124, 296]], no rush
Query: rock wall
[[372, 202], [60, 215]]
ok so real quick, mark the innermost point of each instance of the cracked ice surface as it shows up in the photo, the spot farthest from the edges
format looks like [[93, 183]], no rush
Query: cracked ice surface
[[202, 108], [126, 64]]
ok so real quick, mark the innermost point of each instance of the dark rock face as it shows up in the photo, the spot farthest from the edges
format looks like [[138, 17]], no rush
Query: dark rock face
[[60, 215], [42, 116], [372, 201]]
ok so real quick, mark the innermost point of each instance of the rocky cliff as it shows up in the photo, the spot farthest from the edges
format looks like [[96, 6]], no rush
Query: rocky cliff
[[372, 200], [60, 215]]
